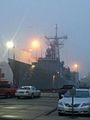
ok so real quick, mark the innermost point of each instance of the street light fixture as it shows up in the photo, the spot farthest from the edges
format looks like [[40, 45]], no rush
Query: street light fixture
[[36, 45], [10, 45], [53, 82], [76, 67]]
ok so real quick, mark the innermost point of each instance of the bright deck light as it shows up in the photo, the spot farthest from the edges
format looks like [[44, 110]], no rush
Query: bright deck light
[[75, 65], [35, 44]]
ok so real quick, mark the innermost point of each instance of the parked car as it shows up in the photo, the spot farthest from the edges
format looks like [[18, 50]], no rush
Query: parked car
[[81, 103], [27, 91], [6, 89]]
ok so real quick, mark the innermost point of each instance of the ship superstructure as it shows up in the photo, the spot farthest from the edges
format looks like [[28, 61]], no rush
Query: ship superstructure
[[55, 43]]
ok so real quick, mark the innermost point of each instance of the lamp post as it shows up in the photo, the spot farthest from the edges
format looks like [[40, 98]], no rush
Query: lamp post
[[76, 67], [76, 74], [35, 45], [10, 45], [53, 82], [55, 77]]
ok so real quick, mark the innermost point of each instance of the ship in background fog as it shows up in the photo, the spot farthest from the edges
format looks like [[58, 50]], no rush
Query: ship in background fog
[[48, 72]]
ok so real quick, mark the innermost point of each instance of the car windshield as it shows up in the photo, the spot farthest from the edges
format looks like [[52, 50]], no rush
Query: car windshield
[[79, 94]]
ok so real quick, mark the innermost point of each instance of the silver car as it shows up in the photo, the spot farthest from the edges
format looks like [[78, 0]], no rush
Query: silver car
[[27, 91], [81, 103]]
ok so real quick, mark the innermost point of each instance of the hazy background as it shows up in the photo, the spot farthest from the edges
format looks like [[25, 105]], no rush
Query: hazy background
[[24, 20]]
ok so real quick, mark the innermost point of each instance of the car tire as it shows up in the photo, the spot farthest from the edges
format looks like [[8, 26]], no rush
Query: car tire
[[18, 97], [8, 95], [39, 95], [32, 95], [59, 113]]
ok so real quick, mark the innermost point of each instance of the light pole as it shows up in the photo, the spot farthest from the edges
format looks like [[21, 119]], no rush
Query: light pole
[[13, 52], [76, 74], [10, 45], [76, 67], [35, 45], [53, 82], [54, 79]]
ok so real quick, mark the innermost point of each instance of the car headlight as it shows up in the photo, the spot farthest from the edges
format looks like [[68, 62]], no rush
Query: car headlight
[[85, 104]]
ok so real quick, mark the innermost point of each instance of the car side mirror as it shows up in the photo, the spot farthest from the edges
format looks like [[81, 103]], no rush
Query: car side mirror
[[62, 95]]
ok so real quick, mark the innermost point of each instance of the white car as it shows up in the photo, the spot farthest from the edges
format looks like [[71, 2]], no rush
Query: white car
[[81, 103], [27, 91]]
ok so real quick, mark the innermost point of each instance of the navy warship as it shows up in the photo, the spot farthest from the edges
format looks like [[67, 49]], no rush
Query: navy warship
[[48, 72]]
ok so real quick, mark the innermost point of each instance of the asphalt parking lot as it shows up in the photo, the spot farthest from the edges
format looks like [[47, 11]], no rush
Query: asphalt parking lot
[[43, 108]]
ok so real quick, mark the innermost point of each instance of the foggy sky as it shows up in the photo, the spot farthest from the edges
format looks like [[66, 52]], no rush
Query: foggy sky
[[24, 19]]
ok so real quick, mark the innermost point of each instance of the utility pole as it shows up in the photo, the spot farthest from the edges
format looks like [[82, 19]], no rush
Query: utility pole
[[55, 44], [13, 52]]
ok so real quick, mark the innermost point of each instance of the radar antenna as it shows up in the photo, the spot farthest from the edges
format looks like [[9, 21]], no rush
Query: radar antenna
[[55, 43]]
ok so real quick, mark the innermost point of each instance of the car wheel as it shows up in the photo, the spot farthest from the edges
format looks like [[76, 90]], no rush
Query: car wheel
[[32, 95], [39, 95], [12, 95], [8, 95], [18, 97], [59, 113]]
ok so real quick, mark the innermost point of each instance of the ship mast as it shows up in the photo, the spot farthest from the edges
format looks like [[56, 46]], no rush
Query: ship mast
[[55, 45]]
